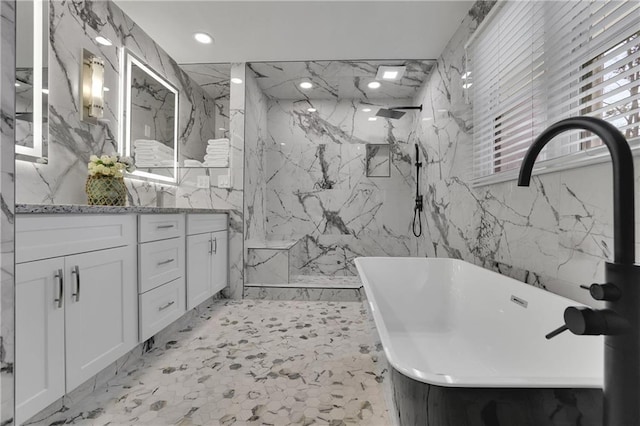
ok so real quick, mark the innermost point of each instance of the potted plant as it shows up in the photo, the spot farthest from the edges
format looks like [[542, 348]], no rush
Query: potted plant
[[105, 183]]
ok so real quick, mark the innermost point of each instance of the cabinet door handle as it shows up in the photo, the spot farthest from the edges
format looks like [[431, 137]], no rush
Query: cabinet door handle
[[164, 226], [210, 246], [76, 272], [162, 308], [58, 277], [164, 262], [215, 241]]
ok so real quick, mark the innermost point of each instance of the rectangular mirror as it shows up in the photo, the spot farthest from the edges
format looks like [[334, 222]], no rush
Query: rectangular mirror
[[151, 121], [32, 105], [378, 161]]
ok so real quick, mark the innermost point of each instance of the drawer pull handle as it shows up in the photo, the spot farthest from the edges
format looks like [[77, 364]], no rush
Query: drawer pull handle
[[164, 262], [164, 226], [162, 308], [60, 288], [76, 272]]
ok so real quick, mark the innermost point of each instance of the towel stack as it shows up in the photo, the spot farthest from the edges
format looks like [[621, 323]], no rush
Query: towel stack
[[151, 153], [192, 163], [217, 153]]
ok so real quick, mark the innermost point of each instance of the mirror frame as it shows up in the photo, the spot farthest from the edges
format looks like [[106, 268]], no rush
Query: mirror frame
[[38, 152], [128, 60]]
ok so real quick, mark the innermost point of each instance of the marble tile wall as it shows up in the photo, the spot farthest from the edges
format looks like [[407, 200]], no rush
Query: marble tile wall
[[7, 207], [317, 190], [74, 25], [556, 234], [255, 174]]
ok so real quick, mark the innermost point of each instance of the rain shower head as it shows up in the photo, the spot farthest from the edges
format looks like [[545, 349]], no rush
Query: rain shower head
[[394, 113]]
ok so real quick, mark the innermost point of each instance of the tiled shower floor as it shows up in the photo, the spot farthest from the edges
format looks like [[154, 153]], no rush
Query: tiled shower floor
[[251, 362]]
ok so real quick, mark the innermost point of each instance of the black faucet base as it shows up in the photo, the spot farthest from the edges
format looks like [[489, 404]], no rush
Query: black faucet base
[[622, 351]]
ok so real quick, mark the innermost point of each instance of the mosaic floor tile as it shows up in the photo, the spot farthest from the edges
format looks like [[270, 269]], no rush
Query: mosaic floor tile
[[251, 362]]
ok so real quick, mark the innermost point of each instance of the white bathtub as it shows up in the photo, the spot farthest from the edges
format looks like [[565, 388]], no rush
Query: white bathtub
[[449, 323]]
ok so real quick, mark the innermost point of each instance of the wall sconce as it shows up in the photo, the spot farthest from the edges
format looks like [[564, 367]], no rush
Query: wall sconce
[[92, 87]]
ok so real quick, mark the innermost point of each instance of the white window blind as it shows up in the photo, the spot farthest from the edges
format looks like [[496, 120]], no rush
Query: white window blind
[[535, 63]]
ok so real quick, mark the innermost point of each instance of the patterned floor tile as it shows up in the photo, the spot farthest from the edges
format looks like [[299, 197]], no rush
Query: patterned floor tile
[[251, 362]]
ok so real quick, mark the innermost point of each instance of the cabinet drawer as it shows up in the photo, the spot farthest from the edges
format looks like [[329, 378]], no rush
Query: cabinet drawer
[[160, 262], [200, 223], [46, 236], [160, 307], [153, 227]]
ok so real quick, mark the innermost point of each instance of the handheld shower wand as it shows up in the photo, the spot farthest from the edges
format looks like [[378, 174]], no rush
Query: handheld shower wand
[[417, 220]]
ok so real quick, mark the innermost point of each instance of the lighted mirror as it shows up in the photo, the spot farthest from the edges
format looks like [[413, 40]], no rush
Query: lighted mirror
[[378, 160], [151, 121], [32, 105]]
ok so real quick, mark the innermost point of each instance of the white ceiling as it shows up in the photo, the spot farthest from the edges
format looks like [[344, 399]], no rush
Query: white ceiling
[[298, 30]]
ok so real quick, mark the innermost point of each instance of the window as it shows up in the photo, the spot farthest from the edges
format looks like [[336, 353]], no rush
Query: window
[[534, 63]]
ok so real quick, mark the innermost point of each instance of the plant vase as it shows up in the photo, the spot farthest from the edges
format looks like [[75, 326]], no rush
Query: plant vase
[[106, 191]]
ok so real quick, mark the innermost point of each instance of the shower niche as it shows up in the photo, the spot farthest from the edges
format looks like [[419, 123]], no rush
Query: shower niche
[[378, 160]]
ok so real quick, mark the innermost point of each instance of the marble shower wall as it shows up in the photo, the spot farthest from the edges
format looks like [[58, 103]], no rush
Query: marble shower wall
[[317, 190], [555, 235], [74, 26], [7, 206], [255, 177]]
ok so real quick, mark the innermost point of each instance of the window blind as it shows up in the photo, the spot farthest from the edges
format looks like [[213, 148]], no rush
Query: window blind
[[539, 62]]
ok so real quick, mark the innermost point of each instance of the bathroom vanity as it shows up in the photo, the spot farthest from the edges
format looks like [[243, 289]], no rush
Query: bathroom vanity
[[95, 282]]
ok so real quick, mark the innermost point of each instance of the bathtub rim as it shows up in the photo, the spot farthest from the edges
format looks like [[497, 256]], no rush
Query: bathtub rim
[[446, 380]]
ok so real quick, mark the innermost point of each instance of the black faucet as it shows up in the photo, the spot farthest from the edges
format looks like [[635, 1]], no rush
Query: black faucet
[[619, 322]]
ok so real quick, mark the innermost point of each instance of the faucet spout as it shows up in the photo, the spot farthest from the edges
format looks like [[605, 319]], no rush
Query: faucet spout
[[622, 159]]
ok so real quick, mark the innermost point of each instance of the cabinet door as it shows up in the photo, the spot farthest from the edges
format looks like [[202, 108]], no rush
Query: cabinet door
[[198, 269], [220, 261], [39, 357], [101, 311]]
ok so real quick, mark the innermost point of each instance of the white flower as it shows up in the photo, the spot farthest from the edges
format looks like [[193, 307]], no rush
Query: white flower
[[93, 158]]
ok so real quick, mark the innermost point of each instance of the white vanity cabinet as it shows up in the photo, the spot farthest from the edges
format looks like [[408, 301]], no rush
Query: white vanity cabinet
[[207, 256], [161, 257], [76, 309]]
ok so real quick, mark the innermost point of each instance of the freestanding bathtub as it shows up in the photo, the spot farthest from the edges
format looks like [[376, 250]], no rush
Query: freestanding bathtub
[[467, 347]]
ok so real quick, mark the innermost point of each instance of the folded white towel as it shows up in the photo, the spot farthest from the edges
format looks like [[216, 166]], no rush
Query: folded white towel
[[218, 141], [217, 151], [192, 163], [151, 144], [216, 164], [216, 158]]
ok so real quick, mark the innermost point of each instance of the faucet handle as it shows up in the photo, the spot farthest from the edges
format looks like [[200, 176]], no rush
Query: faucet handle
[[608, 292], [585, 321], [557, 331]]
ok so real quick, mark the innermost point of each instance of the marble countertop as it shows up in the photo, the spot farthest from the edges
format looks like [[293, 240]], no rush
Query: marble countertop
[[75, 209]]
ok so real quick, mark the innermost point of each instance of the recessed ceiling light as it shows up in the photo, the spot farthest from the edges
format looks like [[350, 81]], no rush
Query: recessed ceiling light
[[45, 91], [103, 41], [390, 72], [366, 109], [282, 143], [374, 85], [306, 85], [17, 84], [373, 118], [222, 128], [106, 89], [203, 38], [236, 80], [311, 109], [466, 75], [467, 85]]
